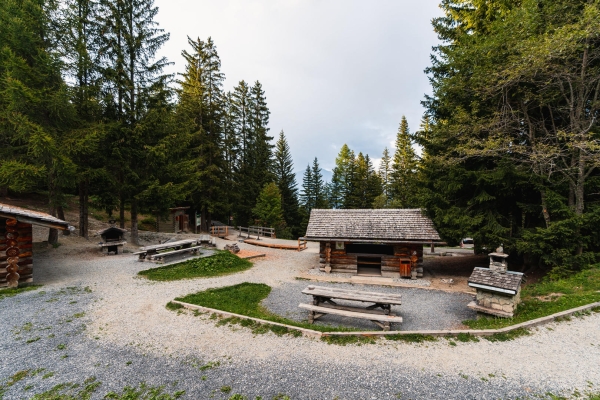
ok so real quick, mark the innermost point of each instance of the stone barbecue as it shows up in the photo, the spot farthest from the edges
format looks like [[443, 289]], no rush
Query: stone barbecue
[[498, 290]]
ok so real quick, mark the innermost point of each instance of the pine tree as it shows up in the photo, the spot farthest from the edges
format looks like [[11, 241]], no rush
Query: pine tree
[[404, 169], [286, 182], [308, 192], [268, 210], [385, 174], [36, 114], [318, 186], [130, 42], [341, 182]]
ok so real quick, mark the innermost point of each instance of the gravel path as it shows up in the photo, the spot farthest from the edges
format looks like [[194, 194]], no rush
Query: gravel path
[[122, 334], [420, 309]]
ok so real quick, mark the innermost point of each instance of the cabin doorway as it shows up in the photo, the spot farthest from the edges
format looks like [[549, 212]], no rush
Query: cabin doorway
[[368, 266]]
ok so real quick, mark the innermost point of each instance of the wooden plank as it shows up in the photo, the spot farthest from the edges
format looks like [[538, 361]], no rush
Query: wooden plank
[[351, 314], [169, 245], [167, 253], [357, 295], [355, 309]]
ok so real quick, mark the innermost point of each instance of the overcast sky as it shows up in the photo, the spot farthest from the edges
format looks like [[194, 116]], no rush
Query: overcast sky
[[333, 71]]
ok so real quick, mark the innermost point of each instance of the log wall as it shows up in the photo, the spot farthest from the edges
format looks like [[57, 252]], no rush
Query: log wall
[[24, 244], [340, 261]]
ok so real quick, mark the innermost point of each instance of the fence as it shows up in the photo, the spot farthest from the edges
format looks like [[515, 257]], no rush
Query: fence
[[256, 230], [219, 231]]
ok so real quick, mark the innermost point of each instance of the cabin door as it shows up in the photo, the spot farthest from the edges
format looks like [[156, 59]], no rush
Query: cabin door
[[368, 266]]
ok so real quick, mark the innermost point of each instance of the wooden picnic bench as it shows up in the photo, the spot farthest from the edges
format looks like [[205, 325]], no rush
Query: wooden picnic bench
[[158, 252], [379, 312]]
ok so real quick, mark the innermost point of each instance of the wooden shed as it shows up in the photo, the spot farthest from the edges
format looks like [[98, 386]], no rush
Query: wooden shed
[[177, 221], [382, 242], [16, 242]]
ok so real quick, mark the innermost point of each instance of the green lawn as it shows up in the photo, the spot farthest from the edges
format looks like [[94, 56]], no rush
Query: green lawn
[[549, 297], [245, 299], [222, 263]]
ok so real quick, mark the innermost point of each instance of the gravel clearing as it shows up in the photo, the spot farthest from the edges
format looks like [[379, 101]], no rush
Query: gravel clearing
[[121, 333], [420, 309], [413, 282]]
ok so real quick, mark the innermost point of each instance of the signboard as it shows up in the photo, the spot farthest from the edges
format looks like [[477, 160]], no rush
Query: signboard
[[339, 245]]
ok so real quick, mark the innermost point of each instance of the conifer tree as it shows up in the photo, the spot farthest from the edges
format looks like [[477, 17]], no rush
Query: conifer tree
[[268, 210], [283, 169], [385, 173], [404, 169], [341, 182], [131, 39], [308, 193], [313, 188]]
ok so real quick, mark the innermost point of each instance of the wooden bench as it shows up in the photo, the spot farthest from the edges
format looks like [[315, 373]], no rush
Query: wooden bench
[[323, 304], [148, 252], [377, 317], [159, 257]]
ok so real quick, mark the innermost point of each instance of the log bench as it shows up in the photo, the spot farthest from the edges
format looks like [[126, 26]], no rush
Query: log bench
[[149, 252], [377, 317], [379, 312]]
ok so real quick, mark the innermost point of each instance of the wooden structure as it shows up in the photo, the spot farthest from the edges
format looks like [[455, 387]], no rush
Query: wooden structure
[[159, 252], [386, 242], [323, 304], [16, 242], [220, 231], [112, 239], [283, 246], [256, 230], [498, 290], [177, 221]]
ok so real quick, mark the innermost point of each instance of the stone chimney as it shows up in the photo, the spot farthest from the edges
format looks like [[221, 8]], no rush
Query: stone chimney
[[498, 263]]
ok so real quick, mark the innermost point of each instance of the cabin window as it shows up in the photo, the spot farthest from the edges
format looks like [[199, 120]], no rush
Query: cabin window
[[366, 248]]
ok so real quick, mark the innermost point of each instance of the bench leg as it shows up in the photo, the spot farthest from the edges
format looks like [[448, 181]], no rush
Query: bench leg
[[383, 325]]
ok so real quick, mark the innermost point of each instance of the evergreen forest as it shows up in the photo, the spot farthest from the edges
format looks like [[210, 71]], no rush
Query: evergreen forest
[[507, 152]]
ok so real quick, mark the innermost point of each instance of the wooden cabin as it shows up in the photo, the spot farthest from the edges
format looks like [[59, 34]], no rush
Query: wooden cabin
[[383, 242], [177, 221], [16, 242]]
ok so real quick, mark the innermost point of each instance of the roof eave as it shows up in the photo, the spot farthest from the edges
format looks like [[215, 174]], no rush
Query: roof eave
[[373, 240]]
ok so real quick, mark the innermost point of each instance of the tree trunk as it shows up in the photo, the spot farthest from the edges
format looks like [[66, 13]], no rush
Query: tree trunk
[[203, 224], [83, 209], [122, 211], [545, 208], [134, 223], [3, 191], [52, 233], [60, 213]]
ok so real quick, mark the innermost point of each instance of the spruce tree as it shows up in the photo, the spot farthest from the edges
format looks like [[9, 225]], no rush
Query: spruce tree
[[385, 174], [131, 39], [341, 182], [308, 192], [283, 169], [404, 169], [318, 186]]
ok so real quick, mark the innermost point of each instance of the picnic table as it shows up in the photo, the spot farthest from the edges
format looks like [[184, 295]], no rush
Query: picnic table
[[158, 252], [379, 312]]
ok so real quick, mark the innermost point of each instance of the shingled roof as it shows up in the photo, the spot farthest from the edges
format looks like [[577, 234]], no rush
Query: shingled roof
[[382, 225], [32, 217], [494, 281]]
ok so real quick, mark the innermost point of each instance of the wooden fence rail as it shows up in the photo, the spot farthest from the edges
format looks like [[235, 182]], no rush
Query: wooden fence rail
[[256, 230]]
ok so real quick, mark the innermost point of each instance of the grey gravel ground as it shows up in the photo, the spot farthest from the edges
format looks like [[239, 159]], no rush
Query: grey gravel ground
[[122, 334], [420, 309]]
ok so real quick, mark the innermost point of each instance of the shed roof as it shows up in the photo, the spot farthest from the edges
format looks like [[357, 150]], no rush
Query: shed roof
[[492, 280], [383, 225], [32, 217], [112, 228]]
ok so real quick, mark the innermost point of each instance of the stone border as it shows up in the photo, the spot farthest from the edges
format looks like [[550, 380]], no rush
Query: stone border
[[438, 333]]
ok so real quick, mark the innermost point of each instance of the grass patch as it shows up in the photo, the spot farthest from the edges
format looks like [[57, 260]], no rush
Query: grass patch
[[466, 337], [538, 299], [222, 263], [345, 340], [245, 299], [9, 292], [505, 337], [412, 338], [173, 306]]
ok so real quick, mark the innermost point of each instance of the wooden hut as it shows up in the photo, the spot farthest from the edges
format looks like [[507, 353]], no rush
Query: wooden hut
[[384, 242], [16, 242], [177, 221]]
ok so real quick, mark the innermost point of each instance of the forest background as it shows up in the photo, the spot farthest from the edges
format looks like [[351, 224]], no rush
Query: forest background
[[509, 145]]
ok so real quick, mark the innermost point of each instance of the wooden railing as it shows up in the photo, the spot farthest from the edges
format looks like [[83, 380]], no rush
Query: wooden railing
[[302, 244], [256, 230], [219, 231]]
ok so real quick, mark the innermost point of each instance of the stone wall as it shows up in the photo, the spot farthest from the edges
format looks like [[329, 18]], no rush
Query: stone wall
[[498, 301]]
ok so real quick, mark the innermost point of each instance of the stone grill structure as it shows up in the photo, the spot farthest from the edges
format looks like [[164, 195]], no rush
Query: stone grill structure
[[498, 290], [380, 242]]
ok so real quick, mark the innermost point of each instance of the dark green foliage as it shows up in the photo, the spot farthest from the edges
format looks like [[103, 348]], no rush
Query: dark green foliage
[[403, 182], [283, 170], [268, 210], [348, 339], [313, 188], [510, 335], [222, 263], [508, 156]]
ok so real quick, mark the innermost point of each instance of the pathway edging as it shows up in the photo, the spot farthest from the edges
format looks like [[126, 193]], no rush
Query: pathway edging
[[438, 333]]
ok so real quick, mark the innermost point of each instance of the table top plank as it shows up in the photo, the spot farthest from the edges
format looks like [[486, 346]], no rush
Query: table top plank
[[169, 245], [356, 295]]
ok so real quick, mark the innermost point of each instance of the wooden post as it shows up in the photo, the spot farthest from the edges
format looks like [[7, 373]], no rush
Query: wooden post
[[12, 253], [328, 257], [432, 248]]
